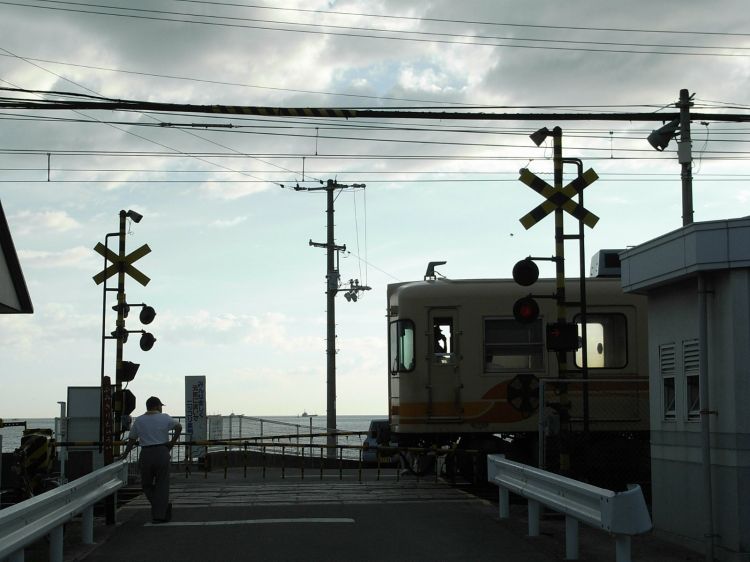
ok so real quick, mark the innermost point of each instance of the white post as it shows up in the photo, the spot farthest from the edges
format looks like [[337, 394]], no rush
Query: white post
[[622, 548], [534, 515], [504, 502], [63, 453], [87, 525], [571, 538], [56, 544]]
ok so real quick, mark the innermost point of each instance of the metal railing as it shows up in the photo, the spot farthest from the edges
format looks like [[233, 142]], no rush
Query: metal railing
[[306, 460], [45, 514], [622, 514]]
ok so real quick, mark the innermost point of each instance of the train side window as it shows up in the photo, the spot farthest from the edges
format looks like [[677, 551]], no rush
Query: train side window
[[607, 336], [401, 346], [512, 346]]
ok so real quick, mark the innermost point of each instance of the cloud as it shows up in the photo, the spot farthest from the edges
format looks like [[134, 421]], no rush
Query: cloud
[[232, 191], [78, 257], [228, 223], [54, 221]]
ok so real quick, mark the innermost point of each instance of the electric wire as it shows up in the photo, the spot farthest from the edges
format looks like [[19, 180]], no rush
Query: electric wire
[[381, 37], [381, 30], [442, 20], [116, 126]]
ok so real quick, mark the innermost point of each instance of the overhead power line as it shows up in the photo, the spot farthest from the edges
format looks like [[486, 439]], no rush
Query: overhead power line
[[110, 104], [363, 34], [472, 22]]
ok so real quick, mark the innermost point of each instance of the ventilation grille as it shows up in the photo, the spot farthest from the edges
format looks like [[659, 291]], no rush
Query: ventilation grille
[[691, 356], [666, 359]]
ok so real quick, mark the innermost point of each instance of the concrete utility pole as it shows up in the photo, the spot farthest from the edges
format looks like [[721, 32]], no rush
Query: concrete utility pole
[[332, 288], [684, 155]]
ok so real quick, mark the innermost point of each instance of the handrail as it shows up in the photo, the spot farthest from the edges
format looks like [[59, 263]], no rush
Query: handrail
[[45, 514], [621, 513]]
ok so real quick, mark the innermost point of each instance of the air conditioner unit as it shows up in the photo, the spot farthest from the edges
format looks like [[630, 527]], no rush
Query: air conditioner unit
[[606, 263]]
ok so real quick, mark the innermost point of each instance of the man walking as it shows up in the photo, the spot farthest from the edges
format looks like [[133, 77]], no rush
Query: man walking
[[151, 430]]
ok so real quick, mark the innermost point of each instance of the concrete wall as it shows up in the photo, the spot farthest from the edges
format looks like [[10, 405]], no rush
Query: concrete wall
[[677, 466]]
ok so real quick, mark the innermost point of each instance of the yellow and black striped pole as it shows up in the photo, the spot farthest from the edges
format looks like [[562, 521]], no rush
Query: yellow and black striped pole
[[562, 356]]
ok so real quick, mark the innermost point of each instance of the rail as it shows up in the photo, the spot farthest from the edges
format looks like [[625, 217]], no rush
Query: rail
[[622, 514], [45, 514]]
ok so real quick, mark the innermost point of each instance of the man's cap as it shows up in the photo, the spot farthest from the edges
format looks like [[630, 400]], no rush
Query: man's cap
[[153, 402]]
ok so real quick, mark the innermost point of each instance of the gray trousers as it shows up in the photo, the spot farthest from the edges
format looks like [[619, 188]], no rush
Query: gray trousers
[[155, 479]]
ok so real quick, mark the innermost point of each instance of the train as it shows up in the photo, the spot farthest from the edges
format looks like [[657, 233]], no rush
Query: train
[[464, 372]]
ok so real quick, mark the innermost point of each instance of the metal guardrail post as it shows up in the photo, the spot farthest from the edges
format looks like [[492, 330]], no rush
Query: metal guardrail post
[[571, 538], [56, 544], [87, 525], [535, 513], [622, 548], [504, 502]]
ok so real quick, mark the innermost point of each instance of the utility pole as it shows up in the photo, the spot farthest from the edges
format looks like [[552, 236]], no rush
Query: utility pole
[[684, 156], [332, 288]]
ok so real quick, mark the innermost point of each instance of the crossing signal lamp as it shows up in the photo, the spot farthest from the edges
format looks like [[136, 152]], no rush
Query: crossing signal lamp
[[525, 273], [147, 315], [128, 371], [147, 341], [562, 337], [526, 310], [125, 400]]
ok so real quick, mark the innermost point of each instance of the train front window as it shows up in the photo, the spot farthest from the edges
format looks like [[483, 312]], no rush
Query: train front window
[[512, 346], [401, 346], [607, 336]]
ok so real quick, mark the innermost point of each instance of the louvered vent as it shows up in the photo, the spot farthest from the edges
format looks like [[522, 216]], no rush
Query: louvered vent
[[666, 359], [691, 356]]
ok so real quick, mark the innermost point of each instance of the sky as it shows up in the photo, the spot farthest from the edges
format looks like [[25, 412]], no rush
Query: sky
[[238, 291]]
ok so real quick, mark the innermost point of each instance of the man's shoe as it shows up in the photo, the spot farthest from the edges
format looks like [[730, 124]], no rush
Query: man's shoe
[[159, 521]]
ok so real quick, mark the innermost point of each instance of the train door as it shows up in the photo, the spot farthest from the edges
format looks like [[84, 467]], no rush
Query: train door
[[443, 364]]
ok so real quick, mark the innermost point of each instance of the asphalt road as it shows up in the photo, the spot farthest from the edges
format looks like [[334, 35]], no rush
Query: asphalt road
[[310, 520]]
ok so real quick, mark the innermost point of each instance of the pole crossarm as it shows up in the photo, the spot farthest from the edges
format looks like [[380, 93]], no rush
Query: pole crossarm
[[558, 199]]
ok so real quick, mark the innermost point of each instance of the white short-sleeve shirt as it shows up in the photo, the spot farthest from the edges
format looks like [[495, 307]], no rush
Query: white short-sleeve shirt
[[152, 428]]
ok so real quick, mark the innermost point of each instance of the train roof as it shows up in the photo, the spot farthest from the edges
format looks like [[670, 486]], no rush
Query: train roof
[[488, 288]]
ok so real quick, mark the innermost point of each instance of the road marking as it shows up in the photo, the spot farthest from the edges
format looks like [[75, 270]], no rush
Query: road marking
[[252, 522]]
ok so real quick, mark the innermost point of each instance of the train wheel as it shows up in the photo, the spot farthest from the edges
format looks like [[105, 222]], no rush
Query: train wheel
[[419, 464], [472, 457]]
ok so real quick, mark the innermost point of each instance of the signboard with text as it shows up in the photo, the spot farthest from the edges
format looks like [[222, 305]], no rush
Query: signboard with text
[[195, 409]]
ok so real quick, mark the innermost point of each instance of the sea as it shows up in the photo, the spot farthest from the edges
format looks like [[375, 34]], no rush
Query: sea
[[228, 427]]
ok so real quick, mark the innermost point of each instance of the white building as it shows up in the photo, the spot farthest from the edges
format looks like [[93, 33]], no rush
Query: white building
[[697, 280]]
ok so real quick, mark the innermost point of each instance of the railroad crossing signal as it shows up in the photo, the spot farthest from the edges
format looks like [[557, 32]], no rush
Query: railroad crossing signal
[[128, 260], [558, 198]]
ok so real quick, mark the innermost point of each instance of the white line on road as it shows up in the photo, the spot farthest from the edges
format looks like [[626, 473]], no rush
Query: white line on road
[[251, 522]]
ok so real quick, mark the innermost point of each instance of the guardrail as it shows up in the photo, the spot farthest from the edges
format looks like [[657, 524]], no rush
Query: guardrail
[[45, 514], [622, 514]]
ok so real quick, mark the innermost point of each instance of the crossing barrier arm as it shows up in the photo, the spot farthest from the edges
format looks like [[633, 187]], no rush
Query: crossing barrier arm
[[45, 514], [622, 514]]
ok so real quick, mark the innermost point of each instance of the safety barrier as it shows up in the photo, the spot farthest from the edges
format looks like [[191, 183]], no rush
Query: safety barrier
[[45, 514], [622, 514]]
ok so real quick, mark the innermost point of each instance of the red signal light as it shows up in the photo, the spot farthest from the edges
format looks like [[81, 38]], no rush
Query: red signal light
[[526, 310]]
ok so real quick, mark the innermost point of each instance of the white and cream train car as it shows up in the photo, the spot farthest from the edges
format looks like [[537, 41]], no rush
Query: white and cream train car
[[461, 368]]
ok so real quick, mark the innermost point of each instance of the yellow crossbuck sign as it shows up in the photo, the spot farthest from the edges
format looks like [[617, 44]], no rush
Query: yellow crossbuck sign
[[558, 198], [126, 260]]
